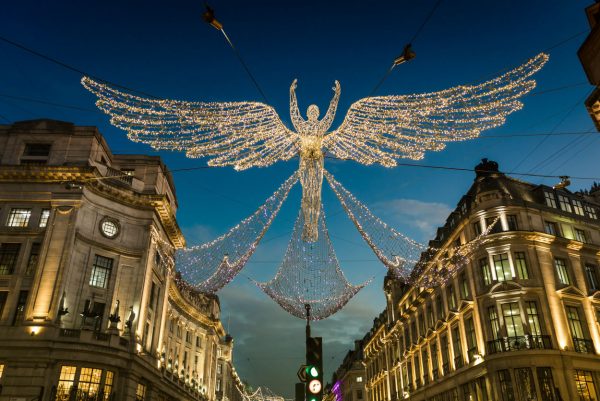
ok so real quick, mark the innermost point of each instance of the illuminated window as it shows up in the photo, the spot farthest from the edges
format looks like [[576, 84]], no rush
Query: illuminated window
[[546, 382], [585, 385], [577, 207], [8, 257], [18, 218], [65, 383], [502, 267], [140, 392], [486, 274], [591, 212], [44, 218], [580, 235], [359, 379], [564, 203], [109, 228], [512, 319], [521, 265], [574, 322], [561, 271], [101, 271], [1, 370], [549, 198], [465, 292], [89, 381], [108, 385], [533, 318]]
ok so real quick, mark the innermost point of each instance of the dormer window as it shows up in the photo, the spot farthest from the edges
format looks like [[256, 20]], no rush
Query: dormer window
[[549, 198], [36, 153], [591, 212], [577, 207], [564, 203]]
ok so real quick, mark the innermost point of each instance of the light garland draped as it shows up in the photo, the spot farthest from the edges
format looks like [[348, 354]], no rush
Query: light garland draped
[[310, 274], [209, 267], [396, 251]]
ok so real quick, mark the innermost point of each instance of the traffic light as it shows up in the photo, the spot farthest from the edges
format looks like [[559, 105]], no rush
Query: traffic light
[[314, 368]]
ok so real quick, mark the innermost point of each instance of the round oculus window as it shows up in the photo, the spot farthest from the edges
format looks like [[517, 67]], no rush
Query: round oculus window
[[109, 228]]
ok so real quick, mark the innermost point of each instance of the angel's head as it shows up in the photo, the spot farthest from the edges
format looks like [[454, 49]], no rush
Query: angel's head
[[312, 112]]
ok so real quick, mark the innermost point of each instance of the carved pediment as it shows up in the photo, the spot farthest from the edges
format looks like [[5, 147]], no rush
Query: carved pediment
[[464, 304], [440, 324], [571, 291], [506, 286]]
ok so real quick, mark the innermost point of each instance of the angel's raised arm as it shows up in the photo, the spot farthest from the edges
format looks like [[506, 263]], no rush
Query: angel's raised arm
[[326, 122], [295, 115]]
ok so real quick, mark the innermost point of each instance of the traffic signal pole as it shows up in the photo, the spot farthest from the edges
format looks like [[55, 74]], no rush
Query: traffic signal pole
[[307, 306]]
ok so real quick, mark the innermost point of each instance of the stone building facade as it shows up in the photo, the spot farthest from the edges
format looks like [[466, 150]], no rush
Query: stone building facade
[[348, 381], [90, 307], [519, 321]]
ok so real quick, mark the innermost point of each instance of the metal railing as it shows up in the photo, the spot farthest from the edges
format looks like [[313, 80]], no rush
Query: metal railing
[[519, 343], [583, 345], [119, 175]]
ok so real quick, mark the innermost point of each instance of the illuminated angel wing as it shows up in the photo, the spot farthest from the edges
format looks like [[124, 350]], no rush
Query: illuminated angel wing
[[384, 128], [239, 134]]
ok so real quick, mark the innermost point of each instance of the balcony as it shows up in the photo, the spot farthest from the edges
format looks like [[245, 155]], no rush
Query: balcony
[[583, 345], [519, 343]]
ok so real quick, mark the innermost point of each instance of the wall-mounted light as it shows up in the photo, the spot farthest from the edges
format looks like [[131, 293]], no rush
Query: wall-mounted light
[[34, 330]]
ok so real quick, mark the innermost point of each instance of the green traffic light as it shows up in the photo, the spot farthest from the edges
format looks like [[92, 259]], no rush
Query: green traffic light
[[313, 398], [312, 371]]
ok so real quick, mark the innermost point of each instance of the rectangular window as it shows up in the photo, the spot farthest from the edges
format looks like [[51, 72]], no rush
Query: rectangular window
[[580, 235], [359, 379], [533, 318], [140, 392], [20, 308], [549, 198], [451, 297], [496, 228], [8, 257], [44, 218], [35, 153], [458, 359], [65, 382], [359, 394], [89, 381], [502, 267], [445, 355], [592, 277], [1, 370], [439, 305], [108, 385], [525, 384], [198, 342], [511, 222], [575, 325], [521, 265], [551, 228], [101, 271], [546, 383], [471, 338], [494, 322], [434, 360], [577, 207], [219, 368], [477, 228], [421, 324], [591, 212], [486, 274], [34, 256], [18, 217], [430, 318], [506, 387], [584, 383], [564, 203], [512, 319], [561, 271], [465, 293]]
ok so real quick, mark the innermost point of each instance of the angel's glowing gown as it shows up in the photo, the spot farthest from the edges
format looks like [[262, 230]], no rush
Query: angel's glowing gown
[[311, 133]]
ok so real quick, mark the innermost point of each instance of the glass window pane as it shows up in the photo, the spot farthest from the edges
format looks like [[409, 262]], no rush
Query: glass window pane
[[18, 218], [512, 319], [502, 267]]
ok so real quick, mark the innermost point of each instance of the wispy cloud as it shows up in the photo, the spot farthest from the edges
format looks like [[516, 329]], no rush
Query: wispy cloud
[[424, 216]]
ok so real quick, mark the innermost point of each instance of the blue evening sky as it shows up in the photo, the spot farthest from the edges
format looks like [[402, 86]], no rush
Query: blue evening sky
[[164, 48]]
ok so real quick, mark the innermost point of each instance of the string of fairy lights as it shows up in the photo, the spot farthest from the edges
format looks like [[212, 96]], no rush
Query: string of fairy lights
[[310, 274]]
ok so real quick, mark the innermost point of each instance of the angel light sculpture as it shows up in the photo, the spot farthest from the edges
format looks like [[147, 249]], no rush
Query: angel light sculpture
[[378, 129]]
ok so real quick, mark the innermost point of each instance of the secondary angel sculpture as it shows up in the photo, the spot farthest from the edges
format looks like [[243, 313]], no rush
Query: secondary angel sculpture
[[377, 129]]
